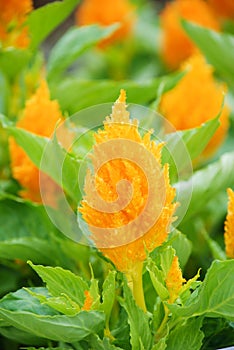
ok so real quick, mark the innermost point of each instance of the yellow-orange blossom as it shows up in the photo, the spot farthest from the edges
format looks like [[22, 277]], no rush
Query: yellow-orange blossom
[[40, 117], [128, 249], [13, 15], [176, 45], [196, 99], [229, 226]]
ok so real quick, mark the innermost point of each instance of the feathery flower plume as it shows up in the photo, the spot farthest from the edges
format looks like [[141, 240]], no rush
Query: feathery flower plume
[[196, 99], [174, 280], [176, 46], [40, 117], [13, 15], [229, 226], [129, 201], [106, 12], [223, 9]]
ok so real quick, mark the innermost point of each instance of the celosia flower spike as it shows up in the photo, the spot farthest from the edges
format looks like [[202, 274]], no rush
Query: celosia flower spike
[[198, 84], [13, 15], [229, 226], [124, 224], [40, 117], [174, 280], [176, 46], [106, 13]]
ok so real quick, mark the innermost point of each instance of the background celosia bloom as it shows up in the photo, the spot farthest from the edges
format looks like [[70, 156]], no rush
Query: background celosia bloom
[[13, 15], [106, 12], [196, 99], [223, 9], [176, 46], [118, 233], [229, 226], [40, 117]]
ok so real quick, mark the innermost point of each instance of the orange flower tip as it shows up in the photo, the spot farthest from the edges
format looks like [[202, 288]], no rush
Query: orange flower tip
[[122, 96]]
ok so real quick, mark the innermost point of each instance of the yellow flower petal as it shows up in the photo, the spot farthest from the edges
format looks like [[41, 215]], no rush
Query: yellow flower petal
[[229, 226]]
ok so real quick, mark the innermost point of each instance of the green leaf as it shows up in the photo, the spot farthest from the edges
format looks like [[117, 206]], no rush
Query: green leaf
[[187, 335], [215, 297], [108, 294], [93, 92], [206, 184], [49, 156], [26, 313], [217, 47], [103, 344], [183, 146], [20, 336], [141, 337], [72, 44], [26, 233], [62, 282], [5, 92], [13, 60], [182, 246], [46, 18]]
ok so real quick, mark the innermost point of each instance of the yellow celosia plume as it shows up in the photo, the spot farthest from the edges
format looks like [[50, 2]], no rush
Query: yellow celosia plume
[[13, 15], [40, 117], [176, 46], [129, 201], [106, 12], [174, 280], [223, 9], [229, 226], [196, 99]]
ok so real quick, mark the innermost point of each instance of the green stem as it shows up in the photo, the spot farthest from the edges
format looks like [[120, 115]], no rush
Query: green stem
[[161, 330], [135, 283]]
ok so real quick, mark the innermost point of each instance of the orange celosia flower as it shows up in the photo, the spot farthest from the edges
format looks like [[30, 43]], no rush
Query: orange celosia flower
[[13, 15], [137, 207], [229, 226], [106, 12], [174, 280], [88, 301], [223, 9], [176, 46], [40, 117], [196, 99]]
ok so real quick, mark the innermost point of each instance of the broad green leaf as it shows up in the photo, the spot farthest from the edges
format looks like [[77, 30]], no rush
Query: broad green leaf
[[217, 47], [5, 92], [72, 44], [62, 304], [26, 313], [182, 246], [75, 95], [13, 61], [183, 146], [187, 335], [206, 184], [215, 297], [46, 18], [21, 337], [49, 156], [141, 337], [27, 233], [108, 294], [62, 282]]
